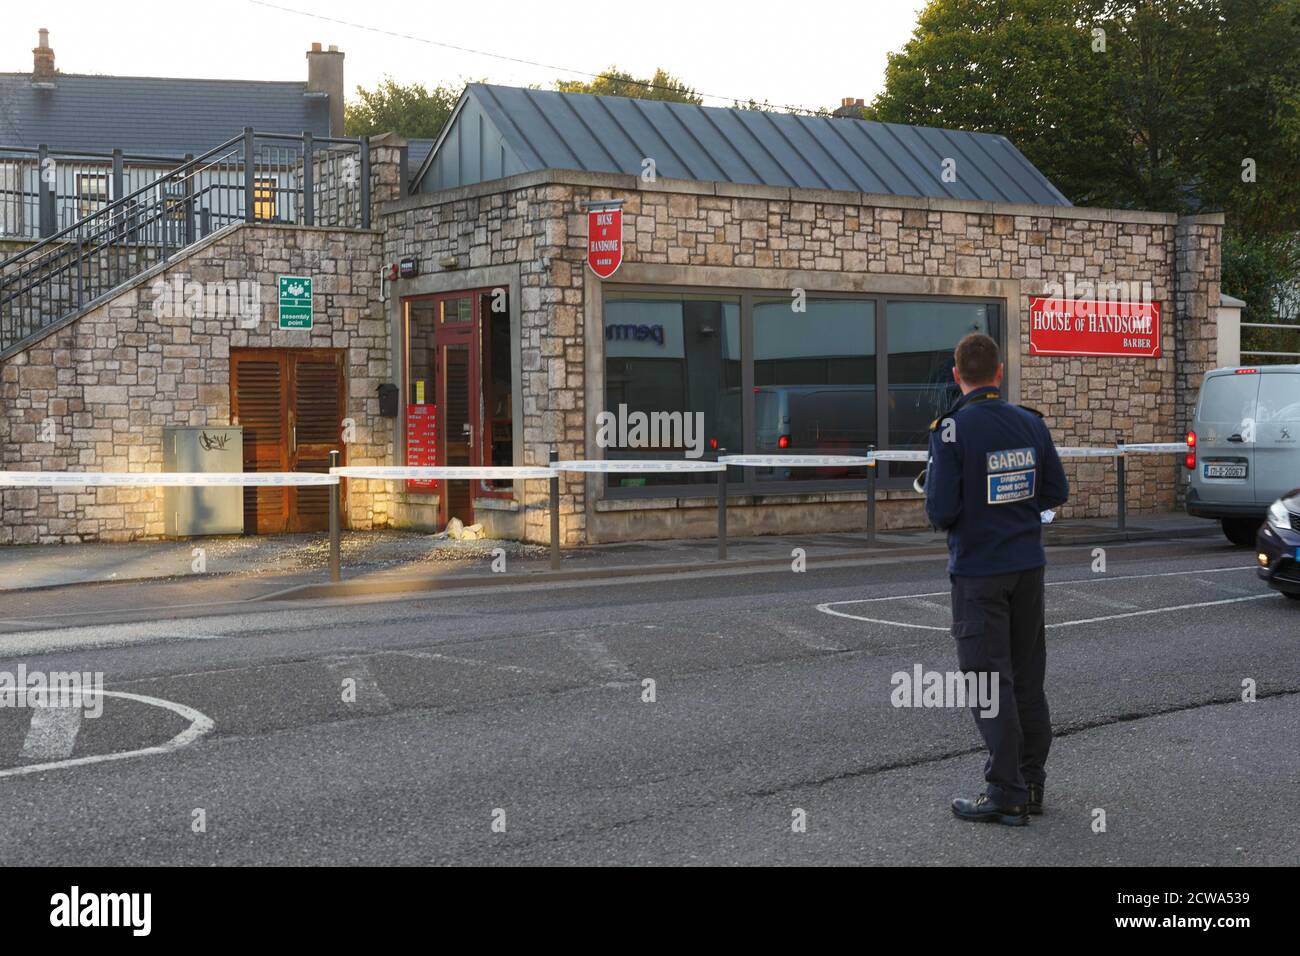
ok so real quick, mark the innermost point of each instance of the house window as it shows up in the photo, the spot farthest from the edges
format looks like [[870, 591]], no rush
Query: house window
[[265, 191], [92, 193]]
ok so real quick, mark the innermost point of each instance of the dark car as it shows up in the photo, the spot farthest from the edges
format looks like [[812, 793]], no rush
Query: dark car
[[1277, 545]]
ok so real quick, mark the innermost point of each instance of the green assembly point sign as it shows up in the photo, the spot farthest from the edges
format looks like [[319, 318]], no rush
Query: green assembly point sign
[[295, 302]]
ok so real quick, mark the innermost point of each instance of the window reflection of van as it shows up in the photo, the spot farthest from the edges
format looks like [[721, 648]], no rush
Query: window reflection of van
[[813, 420]]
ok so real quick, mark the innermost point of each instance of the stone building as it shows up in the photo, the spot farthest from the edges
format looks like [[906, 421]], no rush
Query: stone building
[[784, 285]]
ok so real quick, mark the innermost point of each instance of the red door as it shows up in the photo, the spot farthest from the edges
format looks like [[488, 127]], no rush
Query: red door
[[458, 431]]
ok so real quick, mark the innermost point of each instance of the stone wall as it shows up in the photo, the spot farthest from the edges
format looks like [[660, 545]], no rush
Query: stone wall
[[104, 386], [713, 234]]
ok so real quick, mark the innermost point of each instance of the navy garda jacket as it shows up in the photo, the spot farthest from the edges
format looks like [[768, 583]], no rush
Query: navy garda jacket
[[993, 470]]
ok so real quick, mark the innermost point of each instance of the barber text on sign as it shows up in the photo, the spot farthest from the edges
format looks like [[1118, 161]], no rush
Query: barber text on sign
[[1094, 327], [604, 241]]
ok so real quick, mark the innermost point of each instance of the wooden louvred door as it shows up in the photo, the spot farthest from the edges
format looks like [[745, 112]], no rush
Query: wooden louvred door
[[316, 416], [258, 403], [290, 403]]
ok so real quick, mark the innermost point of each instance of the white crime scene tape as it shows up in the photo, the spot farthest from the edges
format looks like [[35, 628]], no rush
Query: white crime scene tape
[[440, 473], [1156, 448], [630, 467], [795, 461], [1071, 451], [160, 479], [900, 455]]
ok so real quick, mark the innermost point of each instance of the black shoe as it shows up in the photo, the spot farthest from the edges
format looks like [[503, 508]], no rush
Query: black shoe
[[1035, 803], [983, 810]]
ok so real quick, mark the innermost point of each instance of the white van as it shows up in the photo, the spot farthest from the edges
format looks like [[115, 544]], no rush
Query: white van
[[1244, 446]]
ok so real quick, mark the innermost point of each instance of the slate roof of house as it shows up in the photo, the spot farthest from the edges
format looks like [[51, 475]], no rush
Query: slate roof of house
[[499, 131], [149, 115]]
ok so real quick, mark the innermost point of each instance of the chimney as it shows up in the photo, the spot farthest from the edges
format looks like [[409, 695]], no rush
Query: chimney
[[849, 108], [43, 61], [325, 78]]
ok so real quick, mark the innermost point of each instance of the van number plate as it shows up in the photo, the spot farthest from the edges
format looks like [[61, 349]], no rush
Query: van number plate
[[1222, 470]]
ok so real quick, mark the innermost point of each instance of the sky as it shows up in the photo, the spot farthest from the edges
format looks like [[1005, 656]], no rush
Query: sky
[[725, 50]]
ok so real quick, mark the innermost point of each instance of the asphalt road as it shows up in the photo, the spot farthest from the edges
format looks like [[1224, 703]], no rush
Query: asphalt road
[[524, 706]]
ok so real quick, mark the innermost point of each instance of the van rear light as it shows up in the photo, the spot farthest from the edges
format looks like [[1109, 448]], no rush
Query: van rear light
[[1246, 371], [1190, 461], [783, 441], [1191, 439]]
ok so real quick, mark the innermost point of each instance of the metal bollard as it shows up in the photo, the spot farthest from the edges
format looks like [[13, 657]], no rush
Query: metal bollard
[[871, 495], [1122, 491], [722, 509], [335, 569], [555, 514]]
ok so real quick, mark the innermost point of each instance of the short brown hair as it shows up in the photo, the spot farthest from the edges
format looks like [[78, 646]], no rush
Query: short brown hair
[[977, 358]]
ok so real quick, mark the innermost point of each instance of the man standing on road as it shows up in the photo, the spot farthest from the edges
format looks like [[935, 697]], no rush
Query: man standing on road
[[993, 470]]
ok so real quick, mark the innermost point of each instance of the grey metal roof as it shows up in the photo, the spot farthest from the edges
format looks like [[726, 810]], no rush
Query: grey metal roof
[[150, 115], [417, 151], [499, 131]]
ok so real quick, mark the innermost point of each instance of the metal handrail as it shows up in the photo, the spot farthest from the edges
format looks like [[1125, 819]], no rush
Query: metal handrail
[[119, 202], [64, 272]]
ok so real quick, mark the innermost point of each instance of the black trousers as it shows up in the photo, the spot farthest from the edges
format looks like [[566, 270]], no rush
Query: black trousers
[[998, 625]]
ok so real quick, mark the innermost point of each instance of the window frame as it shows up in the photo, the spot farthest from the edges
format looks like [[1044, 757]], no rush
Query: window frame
[[741, 480], [89, 202]]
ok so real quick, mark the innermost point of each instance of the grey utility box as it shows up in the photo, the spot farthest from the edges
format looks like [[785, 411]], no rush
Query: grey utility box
[[203, 510]]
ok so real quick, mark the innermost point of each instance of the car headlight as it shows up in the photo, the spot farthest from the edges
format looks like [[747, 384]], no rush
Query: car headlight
[[1279, 519]]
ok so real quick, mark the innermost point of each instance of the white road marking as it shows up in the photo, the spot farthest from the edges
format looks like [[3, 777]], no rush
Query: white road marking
[[1219, 585], [475, 662], [829, 607], [1098, 599], [369, 698], [800, 635], [200, 724], [1163, 610], [594, 652], [52, 734]]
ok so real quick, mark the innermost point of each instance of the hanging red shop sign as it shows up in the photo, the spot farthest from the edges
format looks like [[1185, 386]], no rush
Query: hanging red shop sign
[[1091, 327], [605, 241]]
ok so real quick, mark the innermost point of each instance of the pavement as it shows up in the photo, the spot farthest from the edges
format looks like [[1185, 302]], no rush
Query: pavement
[[394, 559], [663, 717]]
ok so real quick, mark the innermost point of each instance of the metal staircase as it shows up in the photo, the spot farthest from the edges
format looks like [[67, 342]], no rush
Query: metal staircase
[[251, 178]]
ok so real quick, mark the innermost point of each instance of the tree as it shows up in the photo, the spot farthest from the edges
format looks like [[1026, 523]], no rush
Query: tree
[[1175, 105], [1138, 103], [391, 107], [615, 82]]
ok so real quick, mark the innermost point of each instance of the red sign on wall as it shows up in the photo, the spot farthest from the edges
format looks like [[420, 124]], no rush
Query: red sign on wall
[[604, 241], [422, 443], [1090, 327]]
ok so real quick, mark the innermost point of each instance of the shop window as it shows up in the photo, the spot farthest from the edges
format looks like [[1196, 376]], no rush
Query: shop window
[[845, 373], [921, 337], [421, 367], [814, 382], [672, 366]]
